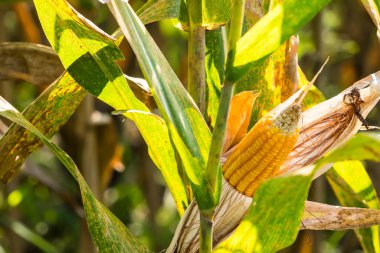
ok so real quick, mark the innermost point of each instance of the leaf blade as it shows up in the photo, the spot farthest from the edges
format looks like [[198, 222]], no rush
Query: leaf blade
[[269, 33], [353, 187], [186, 125], [89, 59], [108, 233]]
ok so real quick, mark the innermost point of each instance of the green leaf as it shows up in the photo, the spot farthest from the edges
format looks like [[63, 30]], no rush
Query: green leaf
[[187, 127], [363, 146], [273, 220], [156, 10], [351, 183], [89, 58], [353, 187], [210, 14], [47, 115], [160, 140], [264, 79], [215, 59], [269, 33], [108, 232]]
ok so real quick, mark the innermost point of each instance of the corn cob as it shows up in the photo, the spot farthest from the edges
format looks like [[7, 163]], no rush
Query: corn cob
[[265, 148], [262, 151]]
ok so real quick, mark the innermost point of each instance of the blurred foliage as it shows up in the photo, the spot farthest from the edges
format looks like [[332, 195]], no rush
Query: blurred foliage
[[343, 31]]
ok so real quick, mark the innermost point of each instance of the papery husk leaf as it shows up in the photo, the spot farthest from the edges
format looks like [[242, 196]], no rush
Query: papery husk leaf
[[331, 123], [239, 117]]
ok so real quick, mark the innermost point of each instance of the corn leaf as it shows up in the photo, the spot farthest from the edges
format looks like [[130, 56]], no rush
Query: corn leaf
[[353, 187], [350, 178], [278, 76], [43, 66], [363, 146], [210, 14], [159, 138], [156, 10], [47, 115], [273, 220], [270, 32], [215, 58], [89, 55], [108, 232], [187, 127]]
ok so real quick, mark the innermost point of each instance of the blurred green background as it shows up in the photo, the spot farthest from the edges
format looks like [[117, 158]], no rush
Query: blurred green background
[[40, 211]]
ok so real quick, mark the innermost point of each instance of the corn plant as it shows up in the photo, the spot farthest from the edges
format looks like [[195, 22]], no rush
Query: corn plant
[[249, 184]]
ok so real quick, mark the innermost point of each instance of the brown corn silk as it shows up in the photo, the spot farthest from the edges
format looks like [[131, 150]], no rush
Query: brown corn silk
[[331, 123], [319, 119]]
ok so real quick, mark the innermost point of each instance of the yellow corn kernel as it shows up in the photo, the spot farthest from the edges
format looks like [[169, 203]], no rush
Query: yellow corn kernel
[[263, 150]]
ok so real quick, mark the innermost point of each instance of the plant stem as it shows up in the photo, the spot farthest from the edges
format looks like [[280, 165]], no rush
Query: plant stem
[[213, 164], [236, 25], [205, 235], [196, 84], [218, 136]]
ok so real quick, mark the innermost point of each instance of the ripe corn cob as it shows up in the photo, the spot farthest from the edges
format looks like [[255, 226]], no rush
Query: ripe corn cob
[[262, 151], [265, 148]]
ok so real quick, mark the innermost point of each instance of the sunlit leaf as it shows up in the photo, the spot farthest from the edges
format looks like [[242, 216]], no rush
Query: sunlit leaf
[[353, 187], [187, 127], [108, 232], [89, 57], [265, 79], [210, 14], [46, 114], [278, 76], [156, 10], [215, 58], [363, 146], [270, 32], [273, 220], [159, 138]]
